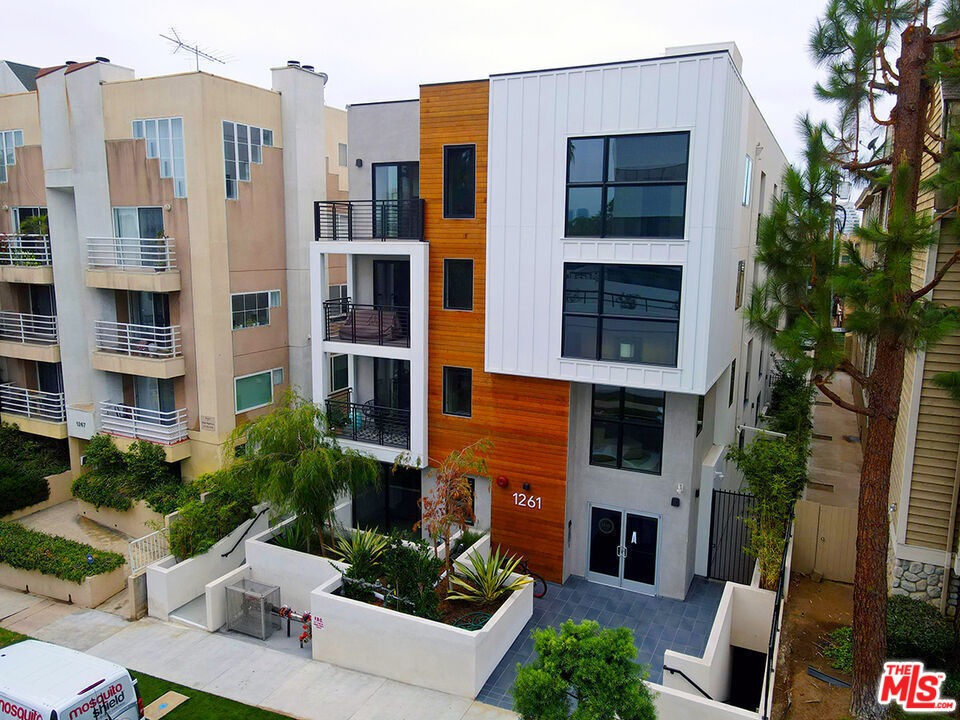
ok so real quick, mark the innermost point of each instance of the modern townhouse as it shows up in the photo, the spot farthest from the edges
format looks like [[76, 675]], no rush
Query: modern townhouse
[[925, 475], [559, 261], [168, 300]]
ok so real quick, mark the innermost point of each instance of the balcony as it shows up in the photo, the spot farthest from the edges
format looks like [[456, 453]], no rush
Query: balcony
[[368, 423], [144, 350], [128, 423], [346, 321], [369, 220], [26, 259], [146, 264], [34, 411], [29, 337]]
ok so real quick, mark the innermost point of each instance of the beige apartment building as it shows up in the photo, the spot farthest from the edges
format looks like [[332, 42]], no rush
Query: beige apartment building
[[168, 297]]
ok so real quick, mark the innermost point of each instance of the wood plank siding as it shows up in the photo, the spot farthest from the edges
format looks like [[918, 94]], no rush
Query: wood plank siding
[[525, 418]]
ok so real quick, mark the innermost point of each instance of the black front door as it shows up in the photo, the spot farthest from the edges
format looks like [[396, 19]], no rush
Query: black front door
[[623, 549], [605, 532], [391, 283], [391, 383]]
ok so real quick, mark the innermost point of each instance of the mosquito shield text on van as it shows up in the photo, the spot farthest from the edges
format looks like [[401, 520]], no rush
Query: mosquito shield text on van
[[101, 703], [16, 711]]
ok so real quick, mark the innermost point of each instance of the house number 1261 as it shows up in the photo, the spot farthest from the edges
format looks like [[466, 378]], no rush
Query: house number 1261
[[524, 500]]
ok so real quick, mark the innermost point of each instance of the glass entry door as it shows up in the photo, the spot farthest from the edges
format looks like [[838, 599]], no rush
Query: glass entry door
[[623, 549]]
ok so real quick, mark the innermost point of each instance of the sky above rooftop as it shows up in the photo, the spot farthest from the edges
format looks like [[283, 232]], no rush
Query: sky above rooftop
[[384, 49]]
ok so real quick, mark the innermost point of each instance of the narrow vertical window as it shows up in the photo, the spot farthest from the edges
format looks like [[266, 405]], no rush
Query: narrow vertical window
[[733, 381], [459, 181], [457, 284], [747, 181], [741, 271], [457, 391]]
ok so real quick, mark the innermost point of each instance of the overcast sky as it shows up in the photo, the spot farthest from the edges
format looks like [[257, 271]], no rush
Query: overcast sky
[[383, 49]]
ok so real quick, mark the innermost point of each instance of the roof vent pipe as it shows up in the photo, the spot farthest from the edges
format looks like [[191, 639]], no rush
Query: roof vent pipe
[[293, 63], [308, 67], [101, 58], [70, 62]]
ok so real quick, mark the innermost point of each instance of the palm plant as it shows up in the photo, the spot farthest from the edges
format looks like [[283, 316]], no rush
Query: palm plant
[[484, 580]]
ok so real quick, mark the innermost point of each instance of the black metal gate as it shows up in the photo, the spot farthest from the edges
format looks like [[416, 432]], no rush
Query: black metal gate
[[729, 535]]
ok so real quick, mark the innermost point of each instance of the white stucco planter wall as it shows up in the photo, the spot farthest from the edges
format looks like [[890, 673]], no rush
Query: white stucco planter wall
[[171, 584]]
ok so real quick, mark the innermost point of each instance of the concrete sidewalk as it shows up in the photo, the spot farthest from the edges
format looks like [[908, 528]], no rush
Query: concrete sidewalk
[[235, 669]]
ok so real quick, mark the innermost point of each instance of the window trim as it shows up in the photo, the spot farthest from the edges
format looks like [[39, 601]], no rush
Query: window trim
[[733, 382], [621, 422], [142, 135], [269, 372], [741, 280], [473, 266], [599, 315], [269, 308], [443, 390], [604, 183], [747, 182], [333, 372], [443, 181], [236, 155]]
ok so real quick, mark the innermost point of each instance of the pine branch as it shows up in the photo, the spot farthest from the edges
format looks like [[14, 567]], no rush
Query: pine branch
[[866, 165], [945, 37], [887, 70], [935, 136], [853, 371], [917, 294], [885, 86], [933, 154], [837, 400]]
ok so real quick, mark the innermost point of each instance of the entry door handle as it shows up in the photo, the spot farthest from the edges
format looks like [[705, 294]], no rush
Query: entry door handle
[[621, 551]]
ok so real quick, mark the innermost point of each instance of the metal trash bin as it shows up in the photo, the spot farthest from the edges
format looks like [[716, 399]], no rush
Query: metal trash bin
[[250, 608]]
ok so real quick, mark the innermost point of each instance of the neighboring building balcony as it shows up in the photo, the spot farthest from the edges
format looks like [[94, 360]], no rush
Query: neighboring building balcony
[[26, 259], [368, 423], [144, 350], [34, 411], [161, 428], [383, 220], [347, 321], [29, 337], [146, 264]]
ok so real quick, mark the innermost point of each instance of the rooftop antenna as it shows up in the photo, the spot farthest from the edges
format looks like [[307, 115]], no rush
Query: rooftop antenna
[[195, 50]]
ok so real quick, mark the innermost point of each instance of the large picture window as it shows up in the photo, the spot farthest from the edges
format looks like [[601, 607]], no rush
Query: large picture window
[[256, 390], [164, 141], [621, 313], [457, 391], [627, 185], [627, 429], [459, 181]]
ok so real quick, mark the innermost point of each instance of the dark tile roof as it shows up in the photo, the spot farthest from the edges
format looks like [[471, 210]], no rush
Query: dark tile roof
[[26, 74]]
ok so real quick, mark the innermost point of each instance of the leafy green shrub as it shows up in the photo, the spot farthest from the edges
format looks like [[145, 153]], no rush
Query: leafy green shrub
[[116, 479], [53, 555], [917, 631], [840, 649], [791, 405], [200, 525], [20, 487], [412, 573]]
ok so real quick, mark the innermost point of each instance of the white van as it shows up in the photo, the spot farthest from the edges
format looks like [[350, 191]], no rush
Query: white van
[[40, 681]]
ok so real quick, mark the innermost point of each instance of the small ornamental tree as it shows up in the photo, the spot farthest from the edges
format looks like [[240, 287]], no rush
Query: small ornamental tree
[[583, 673], [449, 505], [294, 461]]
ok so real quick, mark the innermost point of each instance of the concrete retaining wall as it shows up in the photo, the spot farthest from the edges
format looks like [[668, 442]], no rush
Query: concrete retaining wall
[[59, 485], [89, 594], [136, 522]]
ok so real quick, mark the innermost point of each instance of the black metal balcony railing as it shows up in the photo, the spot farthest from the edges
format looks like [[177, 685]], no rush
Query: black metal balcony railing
[[369, 219], [369, 423], [351, 322]]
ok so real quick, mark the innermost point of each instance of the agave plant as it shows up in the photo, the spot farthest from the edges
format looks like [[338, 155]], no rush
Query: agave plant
[[485, 580], [360, 547]]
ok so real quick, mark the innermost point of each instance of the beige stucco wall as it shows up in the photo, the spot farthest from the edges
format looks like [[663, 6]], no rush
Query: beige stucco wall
[[335, 132], [21, 112]]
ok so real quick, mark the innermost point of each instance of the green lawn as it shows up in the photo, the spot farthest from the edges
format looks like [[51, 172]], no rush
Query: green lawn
[[200, 706]]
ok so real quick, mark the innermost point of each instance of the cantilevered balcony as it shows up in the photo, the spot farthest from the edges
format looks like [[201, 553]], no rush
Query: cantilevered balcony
[[29, 337], [34, 411], [26, 259], [369, 219], [146, 264], [145, 350], [368, 423], [162, 428], [347, 321]]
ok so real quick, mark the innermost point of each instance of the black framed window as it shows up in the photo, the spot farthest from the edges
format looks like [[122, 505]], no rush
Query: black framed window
[[621, 313], [627, 185], [627, 429], [733, 381], [457, 391], [700, 402], [339, 373], [457, 284], [459, 181]]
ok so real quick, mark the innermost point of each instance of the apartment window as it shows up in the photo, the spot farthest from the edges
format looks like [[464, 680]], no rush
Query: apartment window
[[621, 313], [252, 309], [700, 403], [627, 429], [741, 271], [9, 141], [457, 284], [733, 381], [457, 391], [19, 214], [747, 181], [459, 181], [255, 390], [164, 142], [342, 154], [627, 185], [339, 375], [242, 145], [339, 292]]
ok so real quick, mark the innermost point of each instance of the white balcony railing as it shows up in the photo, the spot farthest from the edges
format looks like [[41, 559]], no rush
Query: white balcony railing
[[148, 549], [163, 428], [34, 404], [27, 328], [25, 250], [133, 254], [146, 341]]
